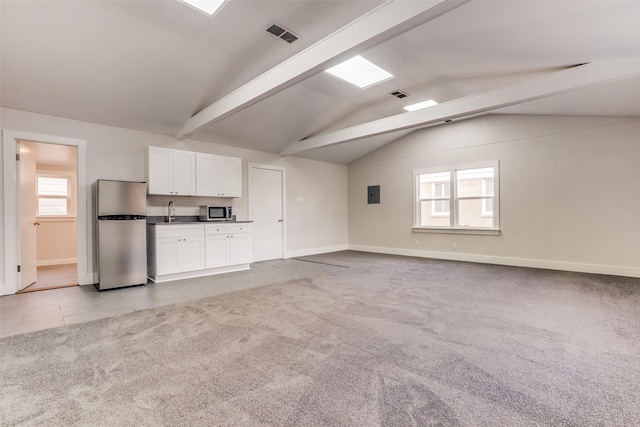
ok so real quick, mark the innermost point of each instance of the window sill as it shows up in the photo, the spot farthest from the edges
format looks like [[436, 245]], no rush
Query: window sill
[[478, 231]]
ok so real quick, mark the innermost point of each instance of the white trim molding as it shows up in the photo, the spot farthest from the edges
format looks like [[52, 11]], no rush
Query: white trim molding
[[11, 226], [613, 270]]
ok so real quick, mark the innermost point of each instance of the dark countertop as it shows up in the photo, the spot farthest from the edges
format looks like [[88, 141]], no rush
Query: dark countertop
[[162, 220]]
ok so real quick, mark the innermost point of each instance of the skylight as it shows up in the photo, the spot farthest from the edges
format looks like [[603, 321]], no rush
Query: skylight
[[420, 105], [207, 6], [360, 72]]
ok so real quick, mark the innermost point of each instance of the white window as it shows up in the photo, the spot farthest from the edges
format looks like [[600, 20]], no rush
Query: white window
[[440, 191], [487, 190], [53, 196], [457, 198]]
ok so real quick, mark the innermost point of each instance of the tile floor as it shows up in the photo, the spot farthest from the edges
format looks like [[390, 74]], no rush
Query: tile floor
[[33, 311]]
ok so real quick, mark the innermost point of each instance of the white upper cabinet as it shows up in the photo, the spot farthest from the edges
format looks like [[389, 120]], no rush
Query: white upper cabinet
[[186, 173], [207, 175], [218, 176], [230, 177], [171, 172]]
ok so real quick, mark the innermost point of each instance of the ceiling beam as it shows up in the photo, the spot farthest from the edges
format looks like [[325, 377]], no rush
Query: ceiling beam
[[553, 84], [383, 23]]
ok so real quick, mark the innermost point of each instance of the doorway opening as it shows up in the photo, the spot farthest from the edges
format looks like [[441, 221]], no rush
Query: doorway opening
[[48, 203]]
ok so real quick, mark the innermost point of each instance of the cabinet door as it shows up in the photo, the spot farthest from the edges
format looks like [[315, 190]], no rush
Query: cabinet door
[[160, 171], [216, 251], [191, 253], [230, 176], [239, 249], [167, 255], [207, 171], [184, 173]]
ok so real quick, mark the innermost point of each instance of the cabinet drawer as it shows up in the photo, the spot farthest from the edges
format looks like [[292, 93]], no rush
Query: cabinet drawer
[[179, 230], [216, 229], [239, 228]]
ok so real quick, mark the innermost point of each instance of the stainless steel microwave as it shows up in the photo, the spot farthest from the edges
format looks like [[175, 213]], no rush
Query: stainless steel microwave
[[215, 213]]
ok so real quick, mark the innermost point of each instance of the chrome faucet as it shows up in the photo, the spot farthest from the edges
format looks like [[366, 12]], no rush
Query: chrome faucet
[[171, 208]]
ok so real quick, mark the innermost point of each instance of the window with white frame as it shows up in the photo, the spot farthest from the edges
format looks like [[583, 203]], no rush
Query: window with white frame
[[487, 191], [440, 191], [458, 197], [53, 195]]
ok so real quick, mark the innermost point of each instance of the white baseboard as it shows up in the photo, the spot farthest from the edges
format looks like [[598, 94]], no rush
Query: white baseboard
[[614, 270], [57, 262], [316, 251]]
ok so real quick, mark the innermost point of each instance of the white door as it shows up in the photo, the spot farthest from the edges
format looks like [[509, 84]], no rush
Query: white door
[[266, 205], [28, 212]]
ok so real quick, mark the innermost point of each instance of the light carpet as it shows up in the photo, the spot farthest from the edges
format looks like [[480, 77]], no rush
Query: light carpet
[[380, 340]]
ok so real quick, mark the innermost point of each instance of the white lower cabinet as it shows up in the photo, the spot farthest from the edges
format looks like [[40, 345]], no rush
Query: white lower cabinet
[[179, 248], [167, 255], [216, 247], [239, 249], [227, 244], [188, 250]]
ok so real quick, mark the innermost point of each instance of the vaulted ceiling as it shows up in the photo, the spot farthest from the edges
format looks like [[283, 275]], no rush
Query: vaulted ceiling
[[152, 65]]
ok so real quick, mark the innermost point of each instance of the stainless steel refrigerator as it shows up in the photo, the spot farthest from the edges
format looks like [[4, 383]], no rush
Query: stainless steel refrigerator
[[121, 233]]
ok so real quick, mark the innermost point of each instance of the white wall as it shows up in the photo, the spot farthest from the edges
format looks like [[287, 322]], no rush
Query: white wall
[[56, 241], [117, 153], [569, 198]]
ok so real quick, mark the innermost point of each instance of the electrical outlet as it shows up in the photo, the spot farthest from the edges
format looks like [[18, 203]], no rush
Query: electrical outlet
[[455, 247], [417, 242]]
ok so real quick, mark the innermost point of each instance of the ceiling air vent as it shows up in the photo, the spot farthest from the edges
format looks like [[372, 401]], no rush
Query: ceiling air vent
[[288, 37], [276, 30], [399, 94], [282, 33]]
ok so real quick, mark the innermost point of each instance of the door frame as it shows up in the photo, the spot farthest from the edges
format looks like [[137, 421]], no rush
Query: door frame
[[12, 209], [282, 169]]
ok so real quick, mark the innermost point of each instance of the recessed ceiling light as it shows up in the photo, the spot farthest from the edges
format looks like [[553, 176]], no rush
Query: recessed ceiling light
[[207, 6], [360, 72], [420, 105]]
